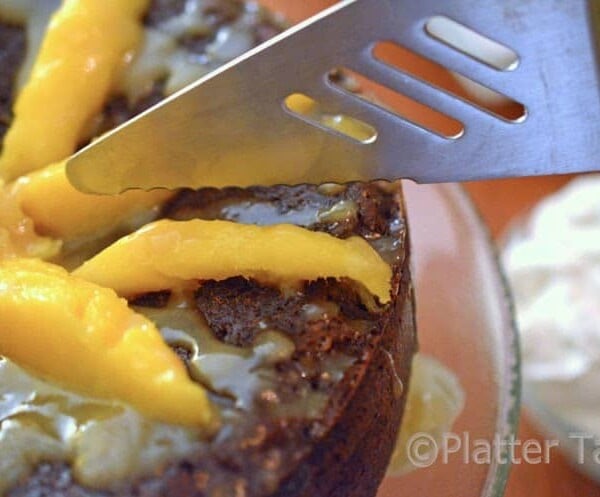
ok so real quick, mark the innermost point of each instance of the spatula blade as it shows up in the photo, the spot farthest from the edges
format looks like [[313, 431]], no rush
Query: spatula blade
[[230, 128]]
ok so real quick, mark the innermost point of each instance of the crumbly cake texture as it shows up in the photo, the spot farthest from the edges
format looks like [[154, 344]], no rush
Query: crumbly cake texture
[[356, 359]]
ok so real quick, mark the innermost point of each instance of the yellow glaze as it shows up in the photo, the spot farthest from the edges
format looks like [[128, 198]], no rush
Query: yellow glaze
[[63, 212], [85, 338], [164, 254], [85, 48]]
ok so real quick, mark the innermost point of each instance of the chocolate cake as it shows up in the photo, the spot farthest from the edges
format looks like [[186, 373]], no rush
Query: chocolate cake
[[318, 416], [12, 53]]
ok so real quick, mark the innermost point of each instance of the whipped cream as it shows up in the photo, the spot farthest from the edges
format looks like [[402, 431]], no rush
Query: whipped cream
[[553, 265]]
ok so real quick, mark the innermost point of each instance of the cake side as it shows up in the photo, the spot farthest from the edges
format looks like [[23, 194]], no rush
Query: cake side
[[352, 460]]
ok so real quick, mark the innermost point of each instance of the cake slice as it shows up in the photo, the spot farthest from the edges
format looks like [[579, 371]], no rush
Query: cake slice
[[310, 378], [317, 416]]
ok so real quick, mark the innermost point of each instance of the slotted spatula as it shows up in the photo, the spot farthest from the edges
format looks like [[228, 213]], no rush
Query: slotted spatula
[[232, 127]]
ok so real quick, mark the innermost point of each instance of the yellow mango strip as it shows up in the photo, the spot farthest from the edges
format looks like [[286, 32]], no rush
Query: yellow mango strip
[[164, 254], [18, 237], [61, 211], [87, 339], [83, 52]]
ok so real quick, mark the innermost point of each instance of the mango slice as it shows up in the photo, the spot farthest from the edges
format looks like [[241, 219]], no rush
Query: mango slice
[[18, 237], [87, 339], [61, 211], [164, 254], [85, 47]]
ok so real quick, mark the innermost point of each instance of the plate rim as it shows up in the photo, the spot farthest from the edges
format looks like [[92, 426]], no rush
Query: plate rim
[[507, 422]]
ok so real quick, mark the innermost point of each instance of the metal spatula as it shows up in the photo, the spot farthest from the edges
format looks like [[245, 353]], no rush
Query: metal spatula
[[232, 127]]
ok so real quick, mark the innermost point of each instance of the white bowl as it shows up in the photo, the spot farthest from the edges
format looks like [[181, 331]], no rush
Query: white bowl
[[551, 256]]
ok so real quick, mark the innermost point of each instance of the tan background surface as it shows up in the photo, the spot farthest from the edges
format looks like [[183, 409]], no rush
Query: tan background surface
[[499, 202]]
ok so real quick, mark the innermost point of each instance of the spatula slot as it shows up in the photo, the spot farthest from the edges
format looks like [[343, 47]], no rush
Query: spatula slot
[[397, 103], [451, 82], [312, 112], [472, 43]]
